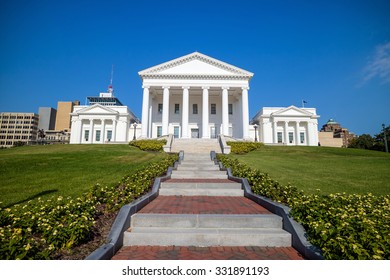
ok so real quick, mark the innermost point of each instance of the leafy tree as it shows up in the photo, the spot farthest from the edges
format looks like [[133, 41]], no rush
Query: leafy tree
[[364, 141]]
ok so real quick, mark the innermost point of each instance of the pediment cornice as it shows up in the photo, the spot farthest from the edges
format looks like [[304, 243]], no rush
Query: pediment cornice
[[234, 72]]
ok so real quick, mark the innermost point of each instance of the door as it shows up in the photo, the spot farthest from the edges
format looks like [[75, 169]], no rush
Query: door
[[194, 133]]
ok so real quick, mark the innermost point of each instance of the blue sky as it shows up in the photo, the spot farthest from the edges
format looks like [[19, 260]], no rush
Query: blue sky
[[333, 54]]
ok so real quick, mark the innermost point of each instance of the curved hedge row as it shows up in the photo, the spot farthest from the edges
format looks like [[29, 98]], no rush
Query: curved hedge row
[[343, 226], [37, 229]]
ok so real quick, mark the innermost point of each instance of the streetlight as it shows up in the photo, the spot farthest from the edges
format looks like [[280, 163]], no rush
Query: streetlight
[[255, 126], [135, 126], [385, 138]]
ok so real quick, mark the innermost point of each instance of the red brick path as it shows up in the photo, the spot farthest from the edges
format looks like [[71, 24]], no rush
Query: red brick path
[[203, 205], [206, 253]]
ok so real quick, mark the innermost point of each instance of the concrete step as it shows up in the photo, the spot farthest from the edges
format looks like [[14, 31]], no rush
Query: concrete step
[[191, 185], [163, 236], [201, 189], [200, 167], [206, 221], [201, 192], [176, 174]]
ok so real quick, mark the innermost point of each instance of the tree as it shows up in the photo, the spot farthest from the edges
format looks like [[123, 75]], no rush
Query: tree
[[366, 141], [41, 134]]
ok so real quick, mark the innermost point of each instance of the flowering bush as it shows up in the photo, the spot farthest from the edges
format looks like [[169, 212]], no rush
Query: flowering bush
[[37, 229], [149, 144], [244, 147], [343, 226]]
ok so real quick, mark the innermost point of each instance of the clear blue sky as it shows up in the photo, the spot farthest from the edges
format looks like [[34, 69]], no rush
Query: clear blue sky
[[333, 54]]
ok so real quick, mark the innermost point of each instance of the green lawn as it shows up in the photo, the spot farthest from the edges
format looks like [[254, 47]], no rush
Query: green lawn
[[329, 169], [68, 170]]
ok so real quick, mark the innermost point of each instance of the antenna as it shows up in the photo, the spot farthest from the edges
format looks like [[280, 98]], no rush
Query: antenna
[[110, 89], [112, 74]]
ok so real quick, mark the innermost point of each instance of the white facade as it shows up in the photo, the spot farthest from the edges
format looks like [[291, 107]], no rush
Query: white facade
[[195, 96], [287, 126], [98, 124]]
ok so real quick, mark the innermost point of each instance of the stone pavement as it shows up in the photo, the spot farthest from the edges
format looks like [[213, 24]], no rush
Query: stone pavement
[[206, 253], [201, 215]]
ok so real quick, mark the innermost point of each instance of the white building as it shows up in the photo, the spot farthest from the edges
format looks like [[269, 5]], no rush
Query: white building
[[104, 120], [195, 96], [288, 126]]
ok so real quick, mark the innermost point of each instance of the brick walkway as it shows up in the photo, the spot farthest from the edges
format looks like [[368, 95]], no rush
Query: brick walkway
[[206, 253], [203, 205]]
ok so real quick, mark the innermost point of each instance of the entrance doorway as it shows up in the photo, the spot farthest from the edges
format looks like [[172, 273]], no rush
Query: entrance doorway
[[194, 133]]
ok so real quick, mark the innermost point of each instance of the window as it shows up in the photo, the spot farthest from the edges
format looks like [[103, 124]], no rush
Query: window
[[280, 137], [177, 109], [176, 131], [86, 135], [109, 135], [159, 131], [291, 137], [160, 108], [195, 109], [97, 138], [230, 109], [302, 134], [213, 109]]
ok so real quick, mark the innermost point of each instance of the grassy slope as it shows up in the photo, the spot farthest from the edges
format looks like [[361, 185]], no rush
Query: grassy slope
[[67, 170], [329, 169]]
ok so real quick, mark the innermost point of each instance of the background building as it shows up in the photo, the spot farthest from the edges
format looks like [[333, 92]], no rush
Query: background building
[[333, 135], [104, 120], [18, 127], [64, 109], [287, 126], [47, 118]]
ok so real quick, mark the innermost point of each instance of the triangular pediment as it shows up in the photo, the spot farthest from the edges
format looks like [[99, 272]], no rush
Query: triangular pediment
[[96, 110], [292, 111], [195, 64]]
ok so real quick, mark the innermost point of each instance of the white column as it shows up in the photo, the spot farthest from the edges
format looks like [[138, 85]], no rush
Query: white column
[[103, 130], [114, 130], [245, 113], [184, 116], [275, 131], [205, 113], [297, 138], [225, 111], [91, 125], [81, 132], [286, 132], [145, 113], [165, 116]]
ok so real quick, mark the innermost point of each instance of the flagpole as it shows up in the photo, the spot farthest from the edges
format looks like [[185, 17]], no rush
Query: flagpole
[[303, 104]]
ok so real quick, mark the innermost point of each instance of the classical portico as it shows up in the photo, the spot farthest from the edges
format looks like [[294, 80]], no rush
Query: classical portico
[[287, 126], [195, 96]]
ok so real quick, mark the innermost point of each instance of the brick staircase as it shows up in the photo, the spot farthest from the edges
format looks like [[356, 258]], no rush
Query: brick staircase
[[200, 207]]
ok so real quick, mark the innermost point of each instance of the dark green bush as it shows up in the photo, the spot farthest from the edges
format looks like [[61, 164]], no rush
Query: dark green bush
[[149, 144], [244, 147]]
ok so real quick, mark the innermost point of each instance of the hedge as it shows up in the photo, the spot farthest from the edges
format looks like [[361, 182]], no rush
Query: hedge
[[149, 145], [343, 226], [38, 229], [244, 147]]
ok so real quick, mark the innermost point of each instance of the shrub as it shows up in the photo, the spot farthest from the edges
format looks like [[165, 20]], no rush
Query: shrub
[[36, 230], [149, 145], [244, 147], [342, 226]]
